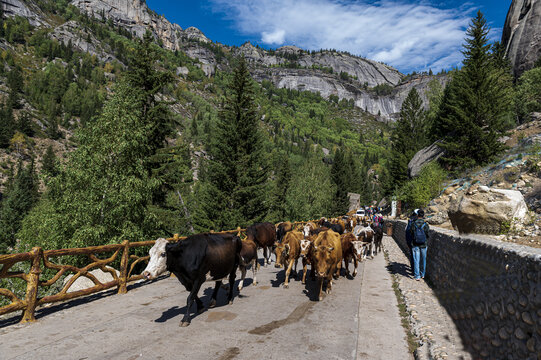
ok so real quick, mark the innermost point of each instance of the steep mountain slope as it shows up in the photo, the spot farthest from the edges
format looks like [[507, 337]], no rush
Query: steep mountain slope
[[327, 72], [522, 34]]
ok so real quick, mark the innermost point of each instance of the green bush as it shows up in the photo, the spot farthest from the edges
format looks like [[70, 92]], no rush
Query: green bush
[[418, 192]]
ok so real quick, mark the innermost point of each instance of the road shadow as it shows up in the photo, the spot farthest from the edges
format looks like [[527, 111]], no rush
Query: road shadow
[[221, 300], [399, 269]]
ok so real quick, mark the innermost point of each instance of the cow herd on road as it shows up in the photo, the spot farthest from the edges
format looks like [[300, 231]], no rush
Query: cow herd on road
[[324, 245]]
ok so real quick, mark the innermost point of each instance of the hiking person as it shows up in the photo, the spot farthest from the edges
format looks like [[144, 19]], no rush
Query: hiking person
[[409, 237], [419, 236]]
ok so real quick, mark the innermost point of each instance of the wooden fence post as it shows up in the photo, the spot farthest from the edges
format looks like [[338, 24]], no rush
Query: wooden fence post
[[32, 285], [123, 279]]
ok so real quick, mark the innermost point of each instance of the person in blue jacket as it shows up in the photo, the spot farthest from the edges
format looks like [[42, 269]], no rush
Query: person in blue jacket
[[409, 236], [419, 236]]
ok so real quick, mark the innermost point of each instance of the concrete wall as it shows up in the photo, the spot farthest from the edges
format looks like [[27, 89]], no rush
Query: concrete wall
[[491, 289]]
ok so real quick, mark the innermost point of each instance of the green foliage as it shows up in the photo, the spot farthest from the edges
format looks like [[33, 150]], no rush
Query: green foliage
[[340, 175], [7, 125], [476, 107], [528, 94], [49, 163], [310, 194], [279, 211], [417, 193], [408, 137], [235, 194], [102, 194], [382, 89], [21, 195]]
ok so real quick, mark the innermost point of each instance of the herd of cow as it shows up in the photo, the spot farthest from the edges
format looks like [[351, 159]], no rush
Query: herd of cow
[[324, 245]]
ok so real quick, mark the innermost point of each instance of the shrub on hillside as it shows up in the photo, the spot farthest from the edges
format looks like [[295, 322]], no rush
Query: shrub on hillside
[[418, 192]]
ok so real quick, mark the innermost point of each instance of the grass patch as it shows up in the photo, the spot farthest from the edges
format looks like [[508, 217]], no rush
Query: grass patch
[[413, 342]]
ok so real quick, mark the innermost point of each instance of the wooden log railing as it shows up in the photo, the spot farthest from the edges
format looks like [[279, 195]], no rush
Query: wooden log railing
[[40, 259]]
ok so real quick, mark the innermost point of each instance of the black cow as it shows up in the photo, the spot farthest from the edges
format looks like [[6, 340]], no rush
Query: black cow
[[199, 258]]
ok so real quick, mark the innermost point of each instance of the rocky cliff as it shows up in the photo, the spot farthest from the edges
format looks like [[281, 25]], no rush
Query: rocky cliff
[[522, 34], [327, 72], [25, 9]]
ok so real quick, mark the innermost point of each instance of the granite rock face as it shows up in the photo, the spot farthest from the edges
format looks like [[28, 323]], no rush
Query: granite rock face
[[26, 9], [423, 157], [522, 34]]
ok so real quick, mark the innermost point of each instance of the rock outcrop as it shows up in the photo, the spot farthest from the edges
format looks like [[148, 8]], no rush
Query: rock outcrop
[[83, 282], [25, 9], [423, 157], [135, 16], [522, 34], [72, 32], [488, 212]]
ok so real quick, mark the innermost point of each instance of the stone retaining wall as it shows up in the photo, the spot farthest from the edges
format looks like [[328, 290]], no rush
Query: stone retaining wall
[[491, 289]]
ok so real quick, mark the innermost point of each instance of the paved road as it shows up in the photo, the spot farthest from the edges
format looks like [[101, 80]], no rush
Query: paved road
[[266, 322]]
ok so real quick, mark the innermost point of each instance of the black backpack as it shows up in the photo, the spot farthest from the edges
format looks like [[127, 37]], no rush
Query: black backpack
[[419, 235]]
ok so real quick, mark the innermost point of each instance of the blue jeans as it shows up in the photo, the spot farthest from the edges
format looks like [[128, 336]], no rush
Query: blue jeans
[[419, 261]]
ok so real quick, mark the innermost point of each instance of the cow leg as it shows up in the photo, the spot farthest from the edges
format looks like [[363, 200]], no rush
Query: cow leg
[[372, 250], [346, 265], [304, 262], [288, 271], [337, 272], [255, 265], [232, 277], [242, 276], [189, 302], [355, 264], [265, 260], [329, 286], [215, 294], [199, 304]]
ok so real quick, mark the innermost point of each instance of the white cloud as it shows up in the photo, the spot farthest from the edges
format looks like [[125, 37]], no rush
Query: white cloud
[[276, 37], [405, 35]]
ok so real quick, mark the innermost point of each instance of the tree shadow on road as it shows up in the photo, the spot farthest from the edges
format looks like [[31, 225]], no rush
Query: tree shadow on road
[[399, 269]]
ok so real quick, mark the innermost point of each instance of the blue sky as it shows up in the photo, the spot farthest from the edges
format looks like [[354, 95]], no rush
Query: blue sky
[[408, 35]]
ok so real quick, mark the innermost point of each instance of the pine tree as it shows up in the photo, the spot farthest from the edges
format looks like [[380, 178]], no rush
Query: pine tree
[[22, 194], [407, 138], [24, 124], [7, 125], [236, 193], [49, 163], [339, 176], [15, 84], [283, 177], [476, 107]]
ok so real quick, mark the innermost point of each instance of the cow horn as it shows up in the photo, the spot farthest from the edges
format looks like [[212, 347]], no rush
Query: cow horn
[[331, 248]]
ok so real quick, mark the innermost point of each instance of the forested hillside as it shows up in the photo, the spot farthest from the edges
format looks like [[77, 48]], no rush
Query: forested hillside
[[116, 142], [112, 130]]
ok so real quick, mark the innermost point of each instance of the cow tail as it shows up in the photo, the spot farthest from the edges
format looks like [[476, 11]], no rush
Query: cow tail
[[238, 249]]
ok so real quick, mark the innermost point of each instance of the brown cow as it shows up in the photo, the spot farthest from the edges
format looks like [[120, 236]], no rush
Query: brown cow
[[378, 237], [366, 236], [288, 252], [264, 236], [281, 230], [327, 252], [341, 223], [348, 252], [308, 228], [307, 257], [248, 255]]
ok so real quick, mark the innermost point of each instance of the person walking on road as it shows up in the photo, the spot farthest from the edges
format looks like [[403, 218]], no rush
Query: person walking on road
[[419, 234], [409, 236]]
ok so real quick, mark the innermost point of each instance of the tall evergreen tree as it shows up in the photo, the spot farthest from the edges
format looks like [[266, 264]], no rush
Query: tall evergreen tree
[[339, 176], [283, 177], [15, 84], [7, 125], [476, 108], [407, 138], [236, 191], [22, 194], [49, 163]]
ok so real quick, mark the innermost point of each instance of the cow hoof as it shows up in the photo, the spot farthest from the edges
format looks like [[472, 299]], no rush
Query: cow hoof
[[212, 303], [286, 286], [320, 298], [254, 283], [328, 292], [184, 323], [240, 288], [230, 302], [277, 265]]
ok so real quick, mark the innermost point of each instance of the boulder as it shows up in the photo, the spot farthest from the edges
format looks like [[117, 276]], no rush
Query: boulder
[[423, 157], [84, 283], [485, 213], [522, 35]]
